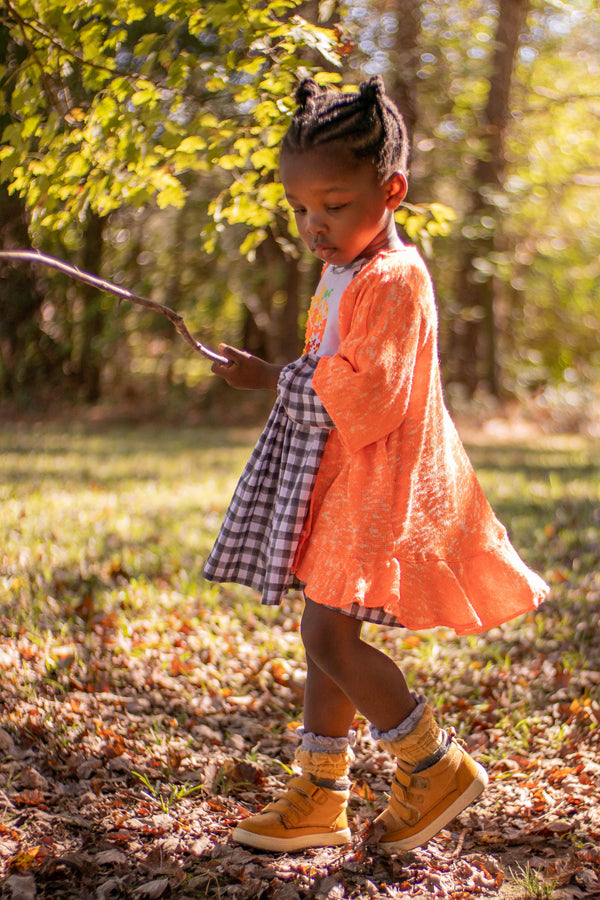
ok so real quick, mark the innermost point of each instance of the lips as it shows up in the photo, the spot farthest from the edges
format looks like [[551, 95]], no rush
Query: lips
[[322, 249]]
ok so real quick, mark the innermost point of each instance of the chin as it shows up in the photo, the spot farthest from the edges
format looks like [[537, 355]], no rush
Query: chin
[[339, 258]]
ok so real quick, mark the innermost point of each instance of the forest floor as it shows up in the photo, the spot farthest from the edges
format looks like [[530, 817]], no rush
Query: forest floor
[[143, 711]]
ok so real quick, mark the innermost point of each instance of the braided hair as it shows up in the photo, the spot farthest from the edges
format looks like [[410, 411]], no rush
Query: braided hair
[[367, 121]]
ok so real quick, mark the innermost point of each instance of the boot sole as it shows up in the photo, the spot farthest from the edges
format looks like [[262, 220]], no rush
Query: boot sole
[[301, 842], [477, 787]]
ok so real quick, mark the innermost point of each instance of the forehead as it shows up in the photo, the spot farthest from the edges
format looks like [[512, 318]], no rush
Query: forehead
[[325, 168]]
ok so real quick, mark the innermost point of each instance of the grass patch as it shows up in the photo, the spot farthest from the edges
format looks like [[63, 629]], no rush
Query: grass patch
[[134, 688], [112, 527]]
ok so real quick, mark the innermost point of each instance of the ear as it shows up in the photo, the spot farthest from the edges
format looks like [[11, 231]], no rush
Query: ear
[[396, 187]]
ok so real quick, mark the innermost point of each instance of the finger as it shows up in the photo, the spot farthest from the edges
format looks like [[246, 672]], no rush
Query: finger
[[220, 368], [234, 353]]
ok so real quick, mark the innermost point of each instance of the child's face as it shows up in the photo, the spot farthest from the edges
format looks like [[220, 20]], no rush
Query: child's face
[[342, 209]]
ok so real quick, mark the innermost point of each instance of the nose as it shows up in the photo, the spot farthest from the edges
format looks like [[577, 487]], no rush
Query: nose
[[314, 223]]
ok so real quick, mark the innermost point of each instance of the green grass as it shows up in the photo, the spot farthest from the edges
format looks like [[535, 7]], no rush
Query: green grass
[[127, 515], [533, 885], [112, 644], [117, 521]]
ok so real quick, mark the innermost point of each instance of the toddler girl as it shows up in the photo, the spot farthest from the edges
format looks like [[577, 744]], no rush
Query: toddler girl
[[360, 491]]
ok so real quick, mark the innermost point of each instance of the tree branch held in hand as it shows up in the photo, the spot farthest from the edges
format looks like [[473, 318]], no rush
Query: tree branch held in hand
[[102, 285]]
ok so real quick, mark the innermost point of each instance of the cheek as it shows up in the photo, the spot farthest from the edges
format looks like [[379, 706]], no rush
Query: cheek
[[301, 226]]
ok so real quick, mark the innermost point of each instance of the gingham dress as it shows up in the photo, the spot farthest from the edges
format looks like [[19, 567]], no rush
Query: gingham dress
[[256, 545], [259, 535], [380, 515]]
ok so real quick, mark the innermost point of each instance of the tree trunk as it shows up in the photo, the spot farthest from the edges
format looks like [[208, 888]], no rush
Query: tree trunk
[[271, 331], [92, 324], [473, 350], [402, 82], [20, 296], [20, 301]]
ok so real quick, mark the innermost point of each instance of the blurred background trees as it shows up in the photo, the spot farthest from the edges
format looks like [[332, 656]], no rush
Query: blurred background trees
[[143, 146]]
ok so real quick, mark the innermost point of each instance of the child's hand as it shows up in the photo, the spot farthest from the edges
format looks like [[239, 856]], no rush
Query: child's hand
[[245, 371]]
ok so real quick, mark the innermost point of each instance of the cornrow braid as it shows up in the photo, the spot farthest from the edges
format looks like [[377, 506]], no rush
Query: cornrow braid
[[367, 121]]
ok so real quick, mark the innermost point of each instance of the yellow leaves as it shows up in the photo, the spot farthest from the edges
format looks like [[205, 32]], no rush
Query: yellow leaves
[[6, 151], [192, 144], [271, 194], [229, 162], [136, 104], [25, 859], [105, 111], [425, 221], [265, 158], [411, 642], [31, 124], [144, 96], [134, 12], [77, 165], [172, 195], [363, 790]]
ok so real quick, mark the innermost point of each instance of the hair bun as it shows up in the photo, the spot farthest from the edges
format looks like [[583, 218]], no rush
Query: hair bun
[[306, 91], [373, 90]]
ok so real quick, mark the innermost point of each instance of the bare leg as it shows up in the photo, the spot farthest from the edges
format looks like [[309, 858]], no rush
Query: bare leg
[[345, 672], [327, 710]]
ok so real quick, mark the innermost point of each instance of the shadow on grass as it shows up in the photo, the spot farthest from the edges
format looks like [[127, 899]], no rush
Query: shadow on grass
[[130, 667]]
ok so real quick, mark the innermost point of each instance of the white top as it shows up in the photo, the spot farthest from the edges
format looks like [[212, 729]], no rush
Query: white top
[[322, 327]]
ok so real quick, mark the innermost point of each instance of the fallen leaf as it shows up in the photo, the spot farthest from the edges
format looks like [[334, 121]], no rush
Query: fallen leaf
[[21, 887], [25, 859], [110, 858], [152, 889], [30, 797]]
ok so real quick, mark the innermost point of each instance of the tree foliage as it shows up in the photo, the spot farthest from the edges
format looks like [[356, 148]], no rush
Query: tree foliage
[[535, 239], [161, 121], [121, 103], [118, 107]]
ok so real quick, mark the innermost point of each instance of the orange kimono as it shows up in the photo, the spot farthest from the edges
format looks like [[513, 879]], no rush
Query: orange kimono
[[397, 519]]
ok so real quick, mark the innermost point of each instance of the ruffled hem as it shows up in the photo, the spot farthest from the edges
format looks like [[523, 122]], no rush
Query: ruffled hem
[[468, 595]]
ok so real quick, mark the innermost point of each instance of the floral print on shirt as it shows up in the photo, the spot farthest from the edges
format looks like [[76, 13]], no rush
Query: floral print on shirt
[[317, 319]]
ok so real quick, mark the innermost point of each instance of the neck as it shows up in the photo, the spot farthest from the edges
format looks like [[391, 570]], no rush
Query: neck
[[387, 239], [392, 239]]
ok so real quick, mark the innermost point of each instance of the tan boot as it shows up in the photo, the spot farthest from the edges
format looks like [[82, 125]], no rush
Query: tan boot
[[422, 802], [308, 814]]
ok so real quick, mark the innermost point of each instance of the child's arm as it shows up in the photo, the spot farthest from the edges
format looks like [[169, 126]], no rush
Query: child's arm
[[368, 385], [245, 371]]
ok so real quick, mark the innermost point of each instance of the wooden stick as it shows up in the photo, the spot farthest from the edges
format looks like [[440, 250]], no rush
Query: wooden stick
[[102, 285]]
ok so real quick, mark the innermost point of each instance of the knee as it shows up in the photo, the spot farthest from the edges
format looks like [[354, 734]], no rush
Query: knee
[[315, 637], [328, 636]]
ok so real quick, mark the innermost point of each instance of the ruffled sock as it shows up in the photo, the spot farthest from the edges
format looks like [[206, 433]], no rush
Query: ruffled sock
[[326, 760], [406, 727]]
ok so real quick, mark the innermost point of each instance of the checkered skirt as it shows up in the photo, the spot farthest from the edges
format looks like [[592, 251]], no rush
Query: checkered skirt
[[259, 535], [257, 542]]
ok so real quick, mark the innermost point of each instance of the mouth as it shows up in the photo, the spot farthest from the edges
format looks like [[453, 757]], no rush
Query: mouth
[[323, 251]]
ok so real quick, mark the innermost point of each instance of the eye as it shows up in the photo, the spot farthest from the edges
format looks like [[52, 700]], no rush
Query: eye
[[336, 208], [298, 211]]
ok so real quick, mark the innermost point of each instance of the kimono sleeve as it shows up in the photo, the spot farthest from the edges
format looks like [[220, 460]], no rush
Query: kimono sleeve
[[366, 386]]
